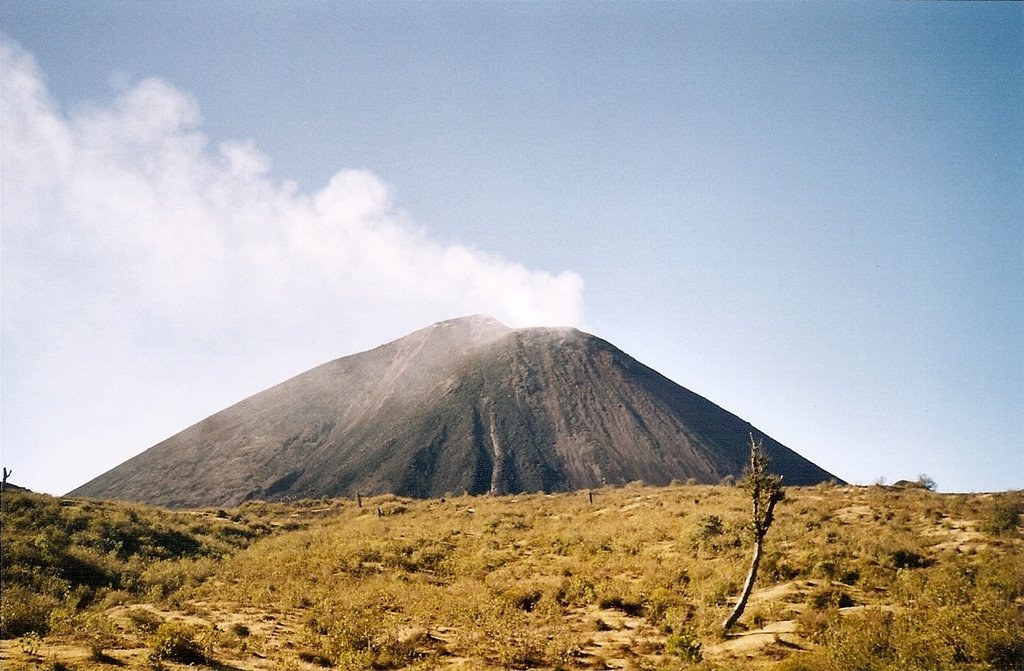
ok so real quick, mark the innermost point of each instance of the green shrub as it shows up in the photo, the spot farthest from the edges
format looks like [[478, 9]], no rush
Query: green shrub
[[710, 526], [162, 578], [76, 553], [900, 559], [658, 602], [828, 596], [23, 611], [30, 643], [100, 634], [1003, 518], [577, 591], [850, 577], [359, 636], [627, 606], [863, 642], [524, 599], [775, 568], [176, 642], [685, 645], [311, 657], [826, 568], [813, 623], [144, 620]]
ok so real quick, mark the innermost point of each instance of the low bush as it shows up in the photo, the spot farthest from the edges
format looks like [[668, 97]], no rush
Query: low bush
[[577, 591], [902, 559], [24, 611], [1003, 518], [525, 599], [829, 596], [685, 645], [627, 606], [310, 657], [144, 620], [359, 636], [813, 623], [177, 642]]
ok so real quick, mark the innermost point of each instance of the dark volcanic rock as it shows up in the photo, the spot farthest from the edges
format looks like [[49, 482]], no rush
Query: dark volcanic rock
[[463, 405]]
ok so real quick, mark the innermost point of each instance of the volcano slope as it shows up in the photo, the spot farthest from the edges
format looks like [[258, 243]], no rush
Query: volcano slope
[[463, 406]]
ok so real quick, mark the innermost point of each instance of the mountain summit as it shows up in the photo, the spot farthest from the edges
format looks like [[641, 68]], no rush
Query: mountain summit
[[466, 405]]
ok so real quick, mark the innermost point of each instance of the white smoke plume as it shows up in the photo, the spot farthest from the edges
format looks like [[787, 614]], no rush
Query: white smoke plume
[[144, 268]]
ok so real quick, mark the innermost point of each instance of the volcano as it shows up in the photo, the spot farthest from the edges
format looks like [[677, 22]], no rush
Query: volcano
[[463, 406]]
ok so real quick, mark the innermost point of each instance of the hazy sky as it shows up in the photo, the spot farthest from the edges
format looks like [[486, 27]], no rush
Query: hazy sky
[[810, 213]]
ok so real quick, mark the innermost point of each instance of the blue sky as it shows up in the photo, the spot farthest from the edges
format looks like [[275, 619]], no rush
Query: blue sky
[[810, 213]]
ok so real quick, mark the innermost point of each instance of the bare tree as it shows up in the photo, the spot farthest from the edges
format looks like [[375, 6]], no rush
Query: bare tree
[[765, 490]]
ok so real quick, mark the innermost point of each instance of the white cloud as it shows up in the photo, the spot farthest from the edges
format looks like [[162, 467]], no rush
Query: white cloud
[[144, 266]]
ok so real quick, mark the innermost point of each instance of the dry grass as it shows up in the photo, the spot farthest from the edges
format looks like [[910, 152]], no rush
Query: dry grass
[[868, 578]]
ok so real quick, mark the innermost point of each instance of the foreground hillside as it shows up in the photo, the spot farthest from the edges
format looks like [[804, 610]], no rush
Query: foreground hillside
[[628, 578]]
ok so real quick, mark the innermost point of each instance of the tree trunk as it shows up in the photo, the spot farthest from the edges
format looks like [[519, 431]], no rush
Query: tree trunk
[[748, 587]]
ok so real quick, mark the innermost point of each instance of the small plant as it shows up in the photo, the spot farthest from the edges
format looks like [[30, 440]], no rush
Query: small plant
[[685, 645], [629, 607], [710, 526], [30, 643], [100, 634], [1003, 519], [525, 599], [902, 559], [310, 657], [850, 577], [827, 596], [814, 623], [577, 591], [176, 642], [826, 568], [144, 620], [711, 535], [657, 604]]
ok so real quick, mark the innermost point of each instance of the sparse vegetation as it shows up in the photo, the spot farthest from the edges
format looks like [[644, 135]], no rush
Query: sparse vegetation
[[63, 553], [874, 578]]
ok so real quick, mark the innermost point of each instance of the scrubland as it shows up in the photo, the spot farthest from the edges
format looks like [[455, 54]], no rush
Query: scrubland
[[621, 578]]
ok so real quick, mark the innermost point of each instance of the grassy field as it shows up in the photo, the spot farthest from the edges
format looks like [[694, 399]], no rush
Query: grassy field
[[637, 578]]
